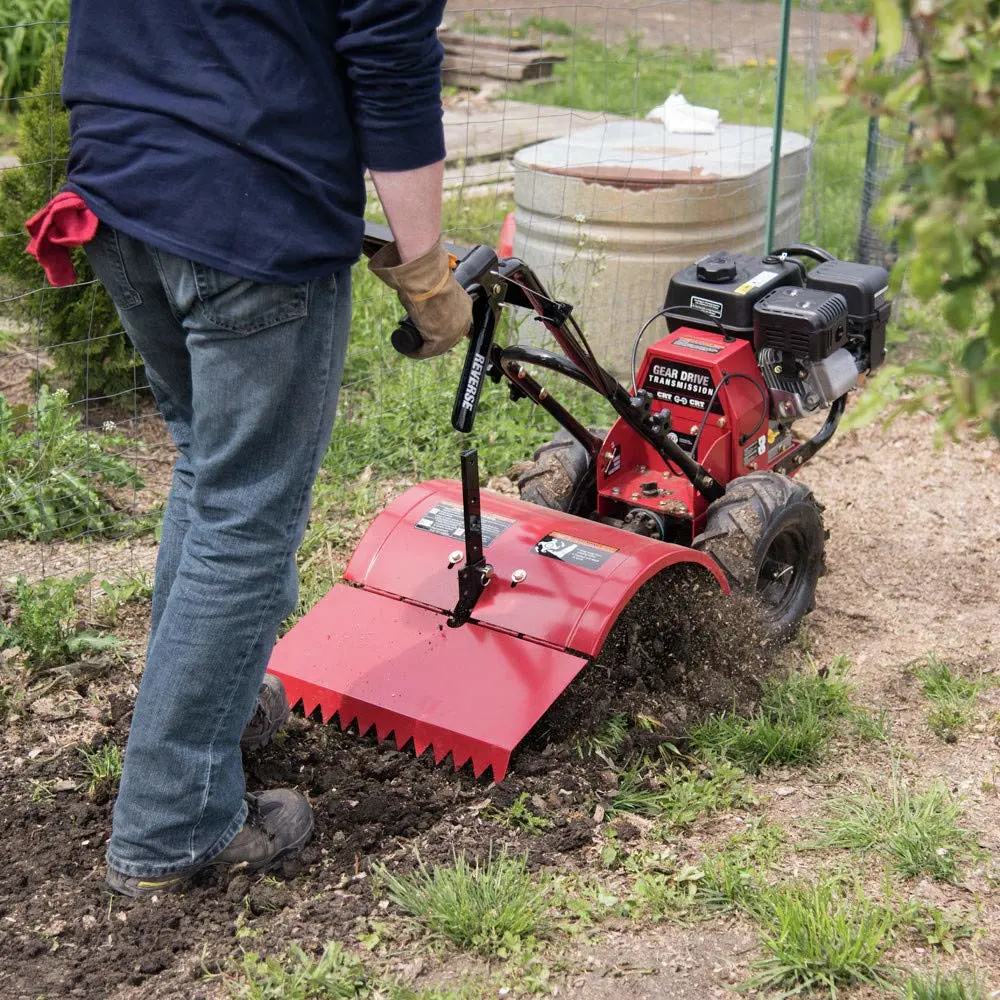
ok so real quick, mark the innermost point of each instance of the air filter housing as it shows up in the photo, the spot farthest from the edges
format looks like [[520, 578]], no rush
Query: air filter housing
[[865, 287], [805, 323]]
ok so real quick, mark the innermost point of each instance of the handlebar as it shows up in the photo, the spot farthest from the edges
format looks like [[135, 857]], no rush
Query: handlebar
[[406, 337]]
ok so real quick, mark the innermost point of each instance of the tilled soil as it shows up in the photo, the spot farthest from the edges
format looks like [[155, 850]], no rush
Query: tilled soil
[[913, 561], [63, 935]]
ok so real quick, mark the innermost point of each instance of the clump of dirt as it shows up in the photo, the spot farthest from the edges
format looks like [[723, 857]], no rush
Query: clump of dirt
[[679, 651]]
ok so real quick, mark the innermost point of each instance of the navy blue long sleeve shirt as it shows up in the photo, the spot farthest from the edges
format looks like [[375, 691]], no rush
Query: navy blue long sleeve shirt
[[236, 132]]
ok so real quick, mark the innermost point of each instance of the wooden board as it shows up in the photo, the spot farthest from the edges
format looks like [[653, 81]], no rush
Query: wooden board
[[506, 126], [458, 40], [499, 67]]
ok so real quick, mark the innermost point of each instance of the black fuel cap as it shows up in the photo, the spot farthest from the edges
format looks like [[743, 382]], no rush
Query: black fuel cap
[[717, 268]]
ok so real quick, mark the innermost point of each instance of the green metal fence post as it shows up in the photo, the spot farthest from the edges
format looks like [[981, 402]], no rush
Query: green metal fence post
[[779, 118]]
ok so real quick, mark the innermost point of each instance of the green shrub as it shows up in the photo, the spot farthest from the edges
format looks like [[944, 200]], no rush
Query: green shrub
[[56, 479], [943, 204], [78, 324], [28, 29]]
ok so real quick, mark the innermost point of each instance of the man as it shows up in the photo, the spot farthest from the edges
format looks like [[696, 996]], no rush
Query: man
[[222, 147]]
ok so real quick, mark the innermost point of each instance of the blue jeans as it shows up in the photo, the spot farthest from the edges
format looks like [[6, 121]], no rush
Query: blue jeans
[[246, 376]]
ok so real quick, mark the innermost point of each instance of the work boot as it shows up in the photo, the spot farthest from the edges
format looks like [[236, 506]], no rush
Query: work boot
[[278, 823], [270, 715]]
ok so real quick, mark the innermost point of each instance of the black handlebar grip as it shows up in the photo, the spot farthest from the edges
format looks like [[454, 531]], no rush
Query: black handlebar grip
[[406, 337]]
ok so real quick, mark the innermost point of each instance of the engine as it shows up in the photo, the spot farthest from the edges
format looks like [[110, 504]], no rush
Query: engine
[[814, 331]]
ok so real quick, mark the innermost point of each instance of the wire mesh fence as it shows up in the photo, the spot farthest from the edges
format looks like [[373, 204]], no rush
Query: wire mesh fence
[[85, 461]]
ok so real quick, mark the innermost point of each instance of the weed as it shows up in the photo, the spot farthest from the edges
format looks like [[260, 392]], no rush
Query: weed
[[129, 589], [495, 908], [762, 842], [668, 894], [792, 725], [917, 832], [42, 790], [606, 741], [937, 928], [731, 883], [822, 936], [57, 480], [678, 796], [954, 986], [102, 768], [520, 816], [952, 696], [334, 975], [43, 625]]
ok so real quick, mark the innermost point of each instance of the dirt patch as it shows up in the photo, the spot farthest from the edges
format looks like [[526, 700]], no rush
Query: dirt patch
[[683, 963]]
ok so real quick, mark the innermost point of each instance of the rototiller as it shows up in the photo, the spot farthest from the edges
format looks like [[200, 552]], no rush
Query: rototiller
[[463, 616]]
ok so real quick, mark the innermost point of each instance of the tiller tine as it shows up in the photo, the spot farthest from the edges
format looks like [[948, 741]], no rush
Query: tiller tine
[[536, 597]]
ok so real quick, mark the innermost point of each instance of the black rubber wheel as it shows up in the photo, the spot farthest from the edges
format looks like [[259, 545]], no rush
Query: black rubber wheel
[[767, 535], [562, 476]]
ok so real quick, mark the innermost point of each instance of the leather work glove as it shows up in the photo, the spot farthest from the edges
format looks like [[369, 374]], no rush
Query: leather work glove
[[438, 305]]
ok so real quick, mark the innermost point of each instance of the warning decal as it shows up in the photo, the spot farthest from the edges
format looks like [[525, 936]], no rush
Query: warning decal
[[760, 279], [448, 520], [711, 306], [681, 384], [575, 551]]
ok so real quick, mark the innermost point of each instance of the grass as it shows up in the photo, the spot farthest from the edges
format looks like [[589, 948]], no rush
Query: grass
[[494, 908], [816, 936], [822, 936], [953, 697], [793, 724], [102, 768], [874, 727], [606, 741], [951, 986], [917, 832]]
